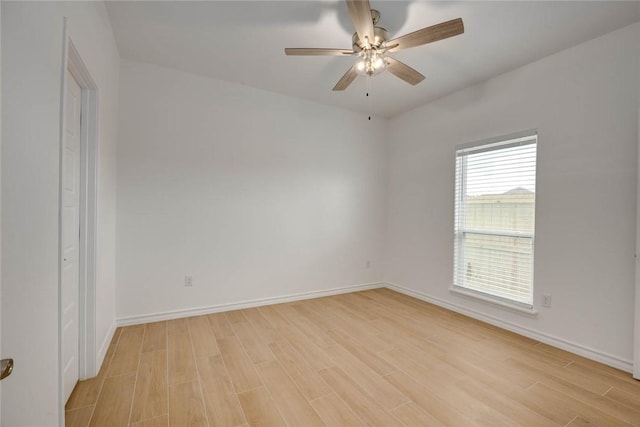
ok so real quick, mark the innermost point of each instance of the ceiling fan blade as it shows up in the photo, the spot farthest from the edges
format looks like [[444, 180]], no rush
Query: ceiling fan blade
[[403, 71], [317, 51], [346, 80], [360, 13], [428, 35]]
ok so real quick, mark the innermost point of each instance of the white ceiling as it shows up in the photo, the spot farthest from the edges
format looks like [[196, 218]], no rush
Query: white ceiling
[[243, 42]]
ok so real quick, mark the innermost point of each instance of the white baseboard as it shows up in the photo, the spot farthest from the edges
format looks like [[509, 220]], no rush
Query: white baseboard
[[589, 353], [105, 346], [177, 314]]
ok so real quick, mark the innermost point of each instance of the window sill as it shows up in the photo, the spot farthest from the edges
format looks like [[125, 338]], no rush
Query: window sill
[[530, 312]]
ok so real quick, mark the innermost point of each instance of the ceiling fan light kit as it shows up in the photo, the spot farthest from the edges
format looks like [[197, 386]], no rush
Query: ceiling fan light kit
[[370, 62], [371, 45]]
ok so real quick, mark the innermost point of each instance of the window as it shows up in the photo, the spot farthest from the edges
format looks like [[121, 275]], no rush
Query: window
[[494, 218]]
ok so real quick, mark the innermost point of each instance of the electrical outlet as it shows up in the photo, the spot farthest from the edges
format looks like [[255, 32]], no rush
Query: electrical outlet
[[188, 281], [546, 300]]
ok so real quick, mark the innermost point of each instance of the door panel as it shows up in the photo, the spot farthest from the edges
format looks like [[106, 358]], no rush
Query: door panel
[[70, 235]]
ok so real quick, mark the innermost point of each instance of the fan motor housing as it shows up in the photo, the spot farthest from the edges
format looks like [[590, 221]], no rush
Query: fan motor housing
[[380, 35]]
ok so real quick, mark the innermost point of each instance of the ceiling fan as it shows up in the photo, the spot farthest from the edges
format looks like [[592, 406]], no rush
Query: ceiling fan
[[371, 45]]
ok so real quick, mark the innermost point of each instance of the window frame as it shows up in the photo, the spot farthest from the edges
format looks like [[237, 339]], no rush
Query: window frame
[[460, 184]]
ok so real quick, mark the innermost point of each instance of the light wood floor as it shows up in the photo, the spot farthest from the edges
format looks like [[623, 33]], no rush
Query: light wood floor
[[366, 358]]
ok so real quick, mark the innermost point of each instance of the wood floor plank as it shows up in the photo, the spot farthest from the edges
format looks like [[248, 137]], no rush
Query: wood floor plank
[[367, 333], [257, 351], [440, 378], [181, 361], [86, 392], [411, 414], [307, 379], [312, 331], [185, 405], [260, 409], [150, 397], [220, 325], [457, 344], [494, 378], [394, 332], [580, 422], [220, 400], [356, 301], [596, 401], [383, 392], [632, 400], [466, 330], [79, 417], [523, 377], [292, 405], [214, 376], [542, 370], [581, 361], [386, 296], [155, 337], [476, 409], [114, 340], [383, 306], [354, 311], [114, 404], [223, 410], [626, 384], [273, 316], [127, 353], [161, 421], [525, 353], [203, 339], [567, 384], [360, 402], [241, 370], [324, 320], [235, 316], [552, 396], [334, 412], [422, 366], [445, 412], [360, 349], [324, 307], [265, 332], [375, 357], [314, 355], [507, 406], [594, 366]]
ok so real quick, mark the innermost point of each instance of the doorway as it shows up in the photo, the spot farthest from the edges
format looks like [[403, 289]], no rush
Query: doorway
[[77, 223], [70, 233]]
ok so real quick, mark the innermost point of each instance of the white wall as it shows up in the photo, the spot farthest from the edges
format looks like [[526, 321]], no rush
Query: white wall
[[32, 41], [254, 194], [583, 101]]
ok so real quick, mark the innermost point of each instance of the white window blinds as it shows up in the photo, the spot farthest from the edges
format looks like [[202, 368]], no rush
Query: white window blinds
[[494, 218]]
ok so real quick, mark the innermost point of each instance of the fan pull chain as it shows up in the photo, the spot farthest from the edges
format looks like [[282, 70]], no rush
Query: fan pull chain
[[368, 92]]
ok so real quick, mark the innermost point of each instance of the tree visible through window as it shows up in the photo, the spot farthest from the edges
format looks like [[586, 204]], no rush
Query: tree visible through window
[[494, 218]]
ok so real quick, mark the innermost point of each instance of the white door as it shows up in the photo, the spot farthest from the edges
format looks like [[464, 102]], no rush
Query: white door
[[70, 235]]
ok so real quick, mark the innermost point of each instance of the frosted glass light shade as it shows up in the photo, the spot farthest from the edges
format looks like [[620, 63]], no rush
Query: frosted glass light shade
[[370, 62]]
